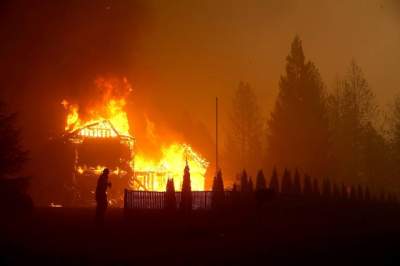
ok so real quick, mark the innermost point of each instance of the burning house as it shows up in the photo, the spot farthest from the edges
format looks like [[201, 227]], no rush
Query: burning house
[[101, 138]]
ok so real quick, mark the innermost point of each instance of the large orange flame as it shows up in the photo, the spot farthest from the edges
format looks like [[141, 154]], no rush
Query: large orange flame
[[107, 118]]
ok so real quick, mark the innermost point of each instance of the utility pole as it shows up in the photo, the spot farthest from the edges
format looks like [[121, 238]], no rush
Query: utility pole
[[216, 136]]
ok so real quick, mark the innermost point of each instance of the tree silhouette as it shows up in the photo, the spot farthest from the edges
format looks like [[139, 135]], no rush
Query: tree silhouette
[[245, 132], [308, 189], [244, 182], [326, 187], [344, 193], [360, 193], [287, 185], [298, 128], [274, 182], [218, 195], [296, 183], [12, 156], [335, 191], [250, 186], [353, 193], [367, 194], [356, 145], [186, 194], [316, 191], [170, 198], [260, 183]]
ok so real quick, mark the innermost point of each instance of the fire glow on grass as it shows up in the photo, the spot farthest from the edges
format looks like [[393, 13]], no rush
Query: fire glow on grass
[[111, 108]]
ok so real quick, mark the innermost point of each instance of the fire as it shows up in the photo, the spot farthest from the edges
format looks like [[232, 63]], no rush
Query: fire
[[107, 118], [111, 107], [171, 165]]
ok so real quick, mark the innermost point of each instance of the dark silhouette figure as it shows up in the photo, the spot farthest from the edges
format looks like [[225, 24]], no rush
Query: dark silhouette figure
[[101, 195], [274, 183], [186, 195], [170, 198]]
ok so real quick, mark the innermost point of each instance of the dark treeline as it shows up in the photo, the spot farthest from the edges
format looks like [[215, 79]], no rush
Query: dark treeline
[[283, 189], [337, 132]]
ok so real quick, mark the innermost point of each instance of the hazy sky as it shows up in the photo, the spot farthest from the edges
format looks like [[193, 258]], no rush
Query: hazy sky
[[180, 55]]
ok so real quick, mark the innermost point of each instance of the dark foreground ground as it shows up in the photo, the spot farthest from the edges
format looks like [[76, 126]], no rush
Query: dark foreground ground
[[278, 235]]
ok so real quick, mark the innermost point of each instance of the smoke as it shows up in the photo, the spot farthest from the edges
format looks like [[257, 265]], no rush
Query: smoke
[[180, 55]]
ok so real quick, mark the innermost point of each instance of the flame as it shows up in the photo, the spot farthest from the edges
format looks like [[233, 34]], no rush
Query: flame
[[106, 118], [171, 165], [110, 108]]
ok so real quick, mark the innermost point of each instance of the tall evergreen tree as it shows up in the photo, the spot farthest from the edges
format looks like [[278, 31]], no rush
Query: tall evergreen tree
[[244, 182], [260, 183], [274, 182], [245, 132], [170, 198], [186, 194], [326, 187], [12, 156], [358, 149], [298, 132], [250, 185], [316, 190], [296, 183], [308, 189], [287, 185], [218, 195]]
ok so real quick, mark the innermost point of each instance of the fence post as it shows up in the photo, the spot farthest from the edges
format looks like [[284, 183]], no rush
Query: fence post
[[125, 198]]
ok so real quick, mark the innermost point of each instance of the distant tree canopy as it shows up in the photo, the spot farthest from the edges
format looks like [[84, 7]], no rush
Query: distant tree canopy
[[298, 133], [244, 149], [358, 149], [12, 156]]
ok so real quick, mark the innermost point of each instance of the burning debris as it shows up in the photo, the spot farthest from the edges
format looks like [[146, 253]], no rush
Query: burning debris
[[101, 137]]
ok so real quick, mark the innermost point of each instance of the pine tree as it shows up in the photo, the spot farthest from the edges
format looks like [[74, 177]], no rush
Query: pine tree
[[344, 192], [316, 191], [186, 194], [326, 188], [335, 191], [360, 193], [367, 194], [250, 186], [287, 187], [244, 147], [353, 193], [218, 195], [244, 182], [308, 189], [170, 198], [12, 156], [358, 149], [274, 182], [297, 183], [298, 128], [261, 183]]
